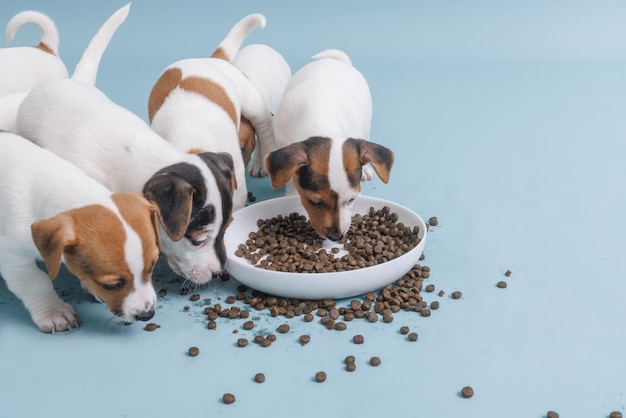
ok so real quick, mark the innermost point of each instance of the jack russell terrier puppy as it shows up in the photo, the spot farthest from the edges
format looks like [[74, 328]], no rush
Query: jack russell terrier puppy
[[192, 192], [197, 104], [269, 72], [322, 129], [22, 68], [52, 211]]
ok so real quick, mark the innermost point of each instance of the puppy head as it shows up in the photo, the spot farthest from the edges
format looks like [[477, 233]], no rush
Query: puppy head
[[112, 251], [195, 205], [327, 177], [247, 140]]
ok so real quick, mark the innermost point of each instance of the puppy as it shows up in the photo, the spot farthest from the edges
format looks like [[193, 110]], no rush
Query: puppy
[[22, 68], [111, 144], [197, 104], [322, 128], [54, 212], [269, 72]]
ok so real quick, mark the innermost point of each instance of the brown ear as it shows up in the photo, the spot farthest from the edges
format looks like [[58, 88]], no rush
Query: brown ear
[[51, 237], [228, 169], [283, 163], [381, 158], [173, 196]]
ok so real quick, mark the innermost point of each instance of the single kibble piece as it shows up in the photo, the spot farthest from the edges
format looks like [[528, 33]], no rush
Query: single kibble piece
[[304, 339], [242, 342], [404, 330], [501, 284], [211, 325], [194, 297], [433, 221], [340, 326], [244, 314], [412, 336], [152, 326], [349, 359], [185, 308], [228, 398], [507, 273], [259, 378], [456, 294], [163, 292], [230, 299], [467, 392], [309, 317], [350, 367], [271, 337], [265, 342], [441, 293], [425, 312], [320, 376], [375, 361], [358, 339], [552, 414], [283, 328], [615, 414], [193, 351], [248, 325], [430, 288], [434, 305]]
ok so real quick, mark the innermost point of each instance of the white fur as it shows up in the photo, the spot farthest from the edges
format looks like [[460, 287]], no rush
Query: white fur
[[36, 184], [269, 72], [9, 104], [22, 68]]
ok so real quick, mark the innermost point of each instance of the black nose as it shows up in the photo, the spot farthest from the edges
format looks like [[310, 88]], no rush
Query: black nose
[[334, 237], [145, 316]]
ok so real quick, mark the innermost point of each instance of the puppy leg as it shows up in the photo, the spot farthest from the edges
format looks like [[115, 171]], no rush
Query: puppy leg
[[35, 289]]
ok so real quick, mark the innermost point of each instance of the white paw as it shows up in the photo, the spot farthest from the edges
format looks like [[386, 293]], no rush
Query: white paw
[[58, 317], [257, 170], [367, 173]]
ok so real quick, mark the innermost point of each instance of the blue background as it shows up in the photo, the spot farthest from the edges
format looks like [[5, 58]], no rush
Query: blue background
[[507, 120]]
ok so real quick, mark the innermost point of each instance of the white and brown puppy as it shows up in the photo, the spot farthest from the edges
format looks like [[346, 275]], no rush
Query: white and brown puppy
[[197, 104], [22, 68], [192, 192], [322, 129], [52, 211], [269, 72]]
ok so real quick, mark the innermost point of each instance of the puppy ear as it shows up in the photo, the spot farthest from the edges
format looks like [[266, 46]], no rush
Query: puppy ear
[[283, 163], [228, 168], [381, 158], [52, 237], [173, 196]]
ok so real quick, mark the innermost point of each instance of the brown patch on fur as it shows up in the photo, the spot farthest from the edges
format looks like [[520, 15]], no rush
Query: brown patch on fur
[[322, 208], [219, 53], [212, 91], [45, 48], [247, 140], [91, 239], [143, 218], [195, 151], [379, 157], [167, 82], [352, 163]]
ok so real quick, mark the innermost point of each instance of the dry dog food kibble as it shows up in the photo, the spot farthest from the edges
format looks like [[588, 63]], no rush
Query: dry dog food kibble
[[358, 339], [507, 273], [193, 351], [552, 414], [375, 361], [211, 324], [228, 398], [350, 367], [242, 342], [304, 339], [194, 297], [501, 284], [404, 330], [283, 328], [456, 294], [248, 325], [349, 359], [259, 378], [163, 292], [152, 326], [291, 244], [433, 221], [412, 336], [467, 392], [434, 305], [615, 414], [320, 376]]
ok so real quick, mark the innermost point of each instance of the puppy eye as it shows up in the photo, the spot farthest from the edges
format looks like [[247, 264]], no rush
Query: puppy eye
[[117, 285], [199, 240], [317, 203]]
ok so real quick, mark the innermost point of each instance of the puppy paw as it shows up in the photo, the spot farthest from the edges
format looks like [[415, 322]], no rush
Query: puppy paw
[[257, 170], [367, 173], [58, 317]]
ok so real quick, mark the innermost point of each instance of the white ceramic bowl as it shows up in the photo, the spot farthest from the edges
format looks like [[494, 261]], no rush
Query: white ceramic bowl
[[315, 286]]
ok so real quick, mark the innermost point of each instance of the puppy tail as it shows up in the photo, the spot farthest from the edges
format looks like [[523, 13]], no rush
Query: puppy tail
[[87, 68], [229, 47], [333, 54], [49, 33]]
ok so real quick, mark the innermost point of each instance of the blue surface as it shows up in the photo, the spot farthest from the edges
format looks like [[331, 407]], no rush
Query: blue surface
[[507, 120]]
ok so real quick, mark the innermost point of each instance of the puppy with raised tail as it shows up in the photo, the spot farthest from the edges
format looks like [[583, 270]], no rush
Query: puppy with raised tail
[[269, 72], [192, 192], [197, 104], [322, 129], [23, 67], [52, 211]]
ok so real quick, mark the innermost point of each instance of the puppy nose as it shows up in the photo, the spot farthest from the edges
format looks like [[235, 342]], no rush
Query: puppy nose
[[334, 236], [145, 316]]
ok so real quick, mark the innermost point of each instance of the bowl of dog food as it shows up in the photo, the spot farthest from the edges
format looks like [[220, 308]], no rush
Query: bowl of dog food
[[272, 248]]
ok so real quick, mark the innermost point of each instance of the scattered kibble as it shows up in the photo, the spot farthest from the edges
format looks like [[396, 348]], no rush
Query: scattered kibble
[[340, 326], [350, 367], [163, 292], [456, 294], [228, 398], [184, 291], [404, 330], [501, 284], [309, 317], [507, 273], [375, 361], [441, 293], [425, 312], [248, 325], [358, 339], [305, 339], [467, 392], [211, 325], [230, 300], [434, 305], [152, 326], [412, 336], [259, 378], [552, 414], [193, 351], [242, 342], [195, 297], [430, 288], [615, 414], [433, 221], [283, 328], [320, 376], [349, 359]]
